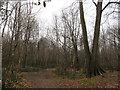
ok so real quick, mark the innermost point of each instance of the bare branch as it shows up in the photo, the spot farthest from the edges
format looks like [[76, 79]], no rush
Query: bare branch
[[94, 3], [109, 4], [9, 14]]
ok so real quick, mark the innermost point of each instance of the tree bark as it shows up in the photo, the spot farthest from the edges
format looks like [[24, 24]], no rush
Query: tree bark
[[95, 67], [119, 46], [76, 57], [85, 38]]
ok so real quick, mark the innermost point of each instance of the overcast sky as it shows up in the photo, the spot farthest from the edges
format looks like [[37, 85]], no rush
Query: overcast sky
[[55, 6], [52, 8], [45, 15]]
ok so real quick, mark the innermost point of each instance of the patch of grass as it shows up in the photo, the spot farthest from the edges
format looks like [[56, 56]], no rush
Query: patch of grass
[[50, 66], [75, 75], [60, 72], [89, 82], [114, 75], [70, 74], [110, 75]]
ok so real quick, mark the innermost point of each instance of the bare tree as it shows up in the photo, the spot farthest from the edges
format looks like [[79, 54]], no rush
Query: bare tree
[[92, 57], [72, 26]]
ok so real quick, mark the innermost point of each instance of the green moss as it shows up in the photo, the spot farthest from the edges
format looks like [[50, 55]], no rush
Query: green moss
[[89, 82]]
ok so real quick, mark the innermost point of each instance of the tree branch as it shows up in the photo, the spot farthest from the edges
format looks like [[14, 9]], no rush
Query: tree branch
[[94, 3], [109, 4]]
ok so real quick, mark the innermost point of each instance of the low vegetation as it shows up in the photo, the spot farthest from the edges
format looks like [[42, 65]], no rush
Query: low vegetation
[[71, 74], [86, 83], [29, 69], [14, 79]]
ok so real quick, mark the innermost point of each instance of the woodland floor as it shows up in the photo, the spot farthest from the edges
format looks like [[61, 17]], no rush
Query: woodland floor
[[47, 79]]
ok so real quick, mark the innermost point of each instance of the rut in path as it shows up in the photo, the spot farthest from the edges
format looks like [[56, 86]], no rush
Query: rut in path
[[43, 79]]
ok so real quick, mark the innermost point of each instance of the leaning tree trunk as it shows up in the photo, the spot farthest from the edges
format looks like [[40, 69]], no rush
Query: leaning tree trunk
[[85, 38], [94, 66]]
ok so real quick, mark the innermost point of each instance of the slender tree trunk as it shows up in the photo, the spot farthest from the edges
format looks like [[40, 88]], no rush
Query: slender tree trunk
[[19, 27], [119, 47], [1, 38], [76, 62], [65, 53]]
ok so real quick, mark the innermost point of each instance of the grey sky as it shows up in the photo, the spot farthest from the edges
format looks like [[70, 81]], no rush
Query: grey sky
[[55, 6], [45, 15]]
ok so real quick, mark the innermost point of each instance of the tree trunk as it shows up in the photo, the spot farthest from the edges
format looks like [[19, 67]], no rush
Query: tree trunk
[[1, 38], [93, 67], [76, 62], [119, 41], [85, 39]]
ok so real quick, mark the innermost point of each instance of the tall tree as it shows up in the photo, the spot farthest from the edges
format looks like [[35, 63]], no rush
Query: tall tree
[[85, 38], [71, 24], [93, 67]]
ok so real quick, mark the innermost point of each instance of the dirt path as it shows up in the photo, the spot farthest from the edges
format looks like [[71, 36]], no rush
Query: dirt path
[[43, 79], [48, 79]]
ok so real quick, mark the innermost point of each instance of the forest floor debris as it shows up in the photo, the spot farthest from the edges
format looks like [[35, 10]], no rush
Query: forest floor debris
[[47, 79]]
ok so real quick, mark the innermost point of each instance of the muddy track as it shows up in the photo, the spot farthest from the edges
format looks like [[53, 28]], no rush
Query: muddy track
[[48, 79], [43, 79]]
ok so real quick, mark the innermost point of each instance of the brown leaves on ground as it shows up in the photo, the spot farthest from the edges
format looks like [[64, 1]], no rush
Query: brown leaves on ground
[[108, 80], [48, 79]]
